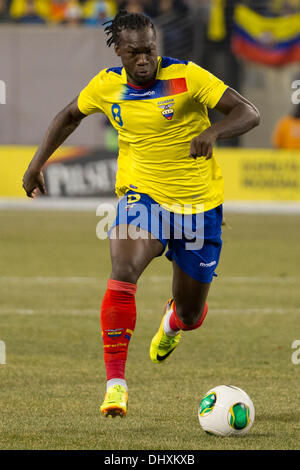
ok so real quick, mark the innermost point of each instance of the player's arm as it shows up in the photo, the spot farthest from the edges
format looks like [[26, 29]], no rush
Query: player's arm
[[63, 124], [240, 117]]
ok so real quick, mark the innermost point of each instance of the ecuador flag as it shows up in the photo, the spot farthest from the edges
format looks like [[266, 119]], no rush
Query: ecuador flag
[[266, 40]]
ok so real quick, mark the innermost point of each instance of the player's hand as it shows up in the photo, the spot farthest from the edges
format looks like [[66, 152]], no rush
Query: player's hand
[[203, 144], [33, 181]]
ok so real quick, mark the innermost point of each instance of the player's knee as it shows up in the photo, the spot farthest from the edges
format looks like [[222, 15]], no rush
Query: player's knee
[[125, 272]]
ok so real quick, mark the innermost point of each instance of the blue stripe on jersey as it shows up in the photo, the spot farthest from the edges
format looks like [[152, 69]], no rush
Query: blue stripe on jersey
[[117, 70], [152, 92], [167, 61]]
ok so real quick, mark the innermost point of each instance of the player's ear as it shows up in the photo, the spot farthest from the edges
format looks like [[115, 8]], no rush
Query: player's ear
[[117, 50]]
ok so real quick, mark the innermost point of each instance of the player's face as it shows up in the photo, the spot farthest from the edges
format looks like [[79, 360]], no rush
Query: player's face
[[138, 52]]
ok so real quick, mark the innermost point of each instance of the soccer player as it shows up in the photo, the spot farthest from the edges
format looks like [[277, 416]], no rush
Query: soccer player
[[167, 169]]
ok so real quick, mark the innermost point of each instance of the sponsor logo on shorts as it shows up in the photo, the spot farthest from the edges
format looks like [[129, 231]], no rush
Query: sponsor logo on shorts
[[207, 265]]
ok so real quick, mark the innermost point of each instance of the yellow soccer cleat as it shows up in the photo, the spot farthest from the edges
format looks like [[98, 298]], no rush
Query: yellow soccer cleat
[[162, 345], [115, 402]]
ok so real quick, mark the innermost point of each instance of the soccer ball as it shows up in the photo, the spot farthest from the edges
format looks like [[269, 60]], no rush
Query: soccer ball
[[226, 410]]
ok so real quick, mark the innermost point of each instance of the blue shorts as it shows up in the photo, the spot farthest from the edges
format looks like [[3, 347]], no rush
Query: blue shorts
[[193, 241]]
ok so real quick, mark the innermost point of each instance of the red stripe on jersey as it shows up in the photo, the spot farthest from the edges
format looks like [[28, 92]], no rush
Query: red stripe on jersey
[[177, 85]]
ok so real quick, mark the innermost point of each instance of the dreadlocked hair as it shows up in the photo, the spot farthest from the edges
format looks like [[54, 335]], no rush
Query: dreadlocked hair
[[125, 20]]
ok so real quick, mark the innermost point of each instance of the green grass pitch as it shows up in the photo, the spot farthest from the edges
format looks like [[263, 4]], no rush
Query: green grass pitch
[[52, 278]]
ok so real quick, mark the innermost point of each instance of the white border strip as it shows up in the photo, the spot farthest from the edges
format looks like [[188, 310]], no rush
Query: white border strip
[[57, 204], [263, 207], [91, 204]]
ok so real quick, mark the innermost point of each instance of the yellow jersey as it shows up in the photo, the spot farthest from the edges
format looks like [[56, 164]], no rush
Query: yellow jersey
[[155, 126]]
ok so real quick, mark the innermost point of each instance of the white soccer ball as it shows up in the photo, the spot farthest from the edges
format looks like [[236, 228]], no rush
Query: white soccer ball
[[226, 410]]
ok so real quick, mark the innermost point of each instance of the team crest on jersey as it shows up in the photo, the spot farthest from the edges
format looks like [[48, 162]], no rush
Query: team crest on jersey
[[168, 112], [167, 108]]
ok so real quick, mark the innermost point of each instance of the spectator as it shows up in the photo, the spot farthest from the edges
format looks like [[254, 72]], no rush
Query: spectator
[[4, 12], [99, 11], [173, 17], [57, 10], [286, 134], [30, 15], [18, 8], [133, 6], [213, 26], [72, 13]]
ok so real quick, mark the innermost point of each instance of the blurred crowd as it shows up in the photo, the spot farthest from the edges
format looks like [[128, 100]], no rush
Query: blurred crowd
[[88, 12], [95, 12], [198, 30]]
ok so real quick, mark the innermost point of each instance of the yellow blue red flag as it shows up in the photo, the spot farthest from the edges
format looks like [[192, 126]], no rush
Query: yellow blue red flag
[[271, 41]]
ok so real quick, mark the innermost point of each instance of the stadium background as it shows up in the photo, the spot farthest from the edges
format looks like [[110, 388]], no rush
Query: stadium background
[[69, 34], [49, 50]]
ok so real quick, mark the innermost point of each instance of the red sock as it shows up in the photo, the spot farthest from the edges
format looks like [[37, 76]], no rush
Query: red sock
[[118, 317], [176, 324]]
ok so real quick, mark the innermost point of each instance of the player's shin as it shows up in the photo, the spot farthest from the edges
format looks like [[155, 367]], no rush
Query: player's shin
[[118, 318]]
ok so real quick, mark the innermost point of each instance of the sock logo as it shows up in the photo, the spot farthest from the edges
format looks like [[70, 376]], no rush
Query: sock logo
[[116, 333]]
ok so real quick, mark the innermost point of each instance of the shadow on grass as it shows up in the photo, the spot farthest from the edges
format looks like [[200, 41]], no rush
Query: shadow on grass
[[251, 436], [283, 417]]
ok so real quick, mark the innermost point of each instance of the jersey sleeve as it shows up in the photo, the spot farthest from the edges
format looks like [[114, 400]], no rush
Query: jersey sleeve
[[204, 86], [89, 99]]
